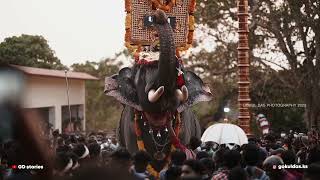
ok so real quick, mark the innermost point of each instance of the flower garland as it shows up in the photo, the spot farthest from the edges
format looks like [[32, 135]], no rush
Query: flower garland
[[165, 7], [141, 146]]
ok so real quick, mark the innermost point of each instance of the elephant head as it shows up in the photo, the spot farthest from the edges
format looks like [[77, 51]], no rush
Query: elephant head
[[152, 87]]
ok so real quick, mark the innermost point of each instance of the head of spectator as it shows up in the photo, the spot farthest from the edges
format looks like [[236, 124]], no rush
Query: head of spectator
[[208, 166], [62, 164], [238, 173], [251, 154], [177, 158], [141, 160], [94, 150], [191, 169], [272, 166], [194, 143], [121, 157], [314, 155], [231, 158], [173, 172], [312, 172], [82, 152], [202, 154]]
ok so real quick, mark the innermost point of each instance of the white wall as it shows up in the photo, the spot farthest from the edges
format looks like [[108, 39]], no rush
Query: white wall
[[44, 91]]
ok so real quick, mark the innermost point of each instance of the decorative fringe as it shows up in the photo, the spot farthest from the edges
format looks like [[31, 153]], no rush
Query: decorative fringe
[[161, 6], [191, 23], [128, 21], [127, 4], [141, 146], [190, 37], [192, 6]]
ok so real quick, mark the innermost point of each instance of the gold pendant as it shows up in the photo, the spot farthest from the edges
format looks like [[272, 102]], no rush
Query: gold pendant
[[159, 156]]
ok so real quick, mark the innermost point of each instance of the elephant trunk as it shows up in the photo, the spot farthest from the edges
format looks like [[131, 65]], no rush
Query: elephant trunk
[[167, 58]]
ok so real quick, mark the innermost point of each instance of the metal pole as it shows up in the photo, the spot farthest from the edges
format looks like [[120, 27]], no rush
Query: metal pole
[[67, 84], [243, 66]]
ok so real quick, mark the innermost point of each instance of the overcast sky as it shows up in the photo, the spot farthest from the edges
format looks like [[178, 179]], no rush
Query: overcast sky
[[77, 30]]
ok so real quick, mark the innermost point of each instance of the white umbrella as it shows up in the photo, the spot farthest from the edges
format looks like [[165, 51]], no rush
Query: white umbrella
[[223, 133]]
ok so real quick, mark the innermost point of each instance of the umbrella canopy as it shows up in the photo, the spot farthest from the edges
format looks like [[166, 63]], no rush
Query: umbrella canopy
[[223, 133]]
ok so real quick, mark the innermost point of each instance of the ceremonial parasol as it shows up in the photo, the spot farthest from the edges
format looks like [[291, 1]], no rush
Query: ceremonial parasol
[[224, 133]]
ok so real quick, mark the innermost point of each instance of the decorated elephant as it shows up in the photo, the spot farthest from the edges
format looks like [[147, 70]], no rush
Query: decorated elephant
[[153, 93]]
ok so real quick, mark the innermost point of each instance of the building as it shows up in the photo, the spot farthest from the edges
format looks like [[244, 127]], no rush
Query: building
[[46, 91]]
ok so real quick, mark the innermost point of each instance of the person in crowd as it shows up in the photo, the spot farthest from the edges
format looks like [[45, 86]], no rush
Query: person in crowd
[[238, 173], [251, 159], [312, 172], [62, 164], [120, 159], [271, 144], [82, 152], [191, 170], [202, 154], [194, 144], [208, 166], [138, 170], [174, 169], [272, 166], [231, 159], [313, 155], [288, 158]]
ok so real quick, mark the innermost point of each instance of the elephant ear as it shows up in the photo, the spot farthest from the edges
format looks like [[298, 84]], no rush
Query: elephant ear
[[198, 91], [121, 86]]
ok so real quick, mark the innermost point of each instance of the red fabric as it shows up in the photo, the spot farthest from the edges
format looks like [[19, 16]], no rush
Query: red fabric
[[222, 175], [176, 142], [180, 81]]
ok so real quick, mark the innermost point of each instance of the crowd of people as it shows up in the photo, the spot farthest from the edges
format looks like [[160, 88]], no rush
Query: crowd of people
[[28, 152], [98, 156]]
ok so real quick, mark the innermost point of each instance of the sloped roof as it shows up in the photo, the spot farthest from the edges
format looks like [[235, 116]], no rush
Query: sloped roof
[[55, 73]]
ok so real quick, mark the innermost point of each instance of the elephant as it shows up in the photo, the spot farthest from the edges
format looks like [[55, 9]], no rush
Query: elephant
[[153, 90]]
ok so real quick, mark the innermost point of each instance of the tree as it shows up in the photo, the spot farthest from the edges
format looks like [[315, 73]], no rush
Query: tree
[[294, 26], [285, 53], [102, 112], [29, 50]]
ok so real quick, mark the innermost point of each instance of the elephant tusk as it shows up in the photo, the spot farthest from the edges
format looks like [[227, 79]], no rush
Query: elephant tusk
[[179, 94], [185, 93], [182, 94], [153, 95]]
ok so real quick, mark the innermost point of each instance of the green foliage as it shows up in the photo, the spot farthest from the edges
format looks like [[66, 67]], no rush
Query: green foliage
[[28, 50], [102, 112]]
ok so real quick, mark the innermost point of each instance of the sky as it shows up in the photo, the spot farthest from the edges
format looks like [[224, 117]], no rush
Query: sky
[[77, 30]]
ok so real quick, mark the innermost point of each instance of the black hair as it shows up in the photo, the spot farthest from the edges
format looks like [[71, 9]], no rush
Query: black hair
[[173, 173], [231, 158], [202, 154], [121, 154], [195, 165], [94, 149], [288, 157], [237, 173], [208, 164], [178, 157], [141, 157], [61, 161], [251, 155], [194, 143], [314, 155], [79, 149], [313, 171]]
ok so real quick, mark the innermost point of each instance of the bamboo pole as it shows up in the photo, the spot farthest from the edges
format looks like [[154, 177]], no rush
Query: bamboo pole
[[243, 66]]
